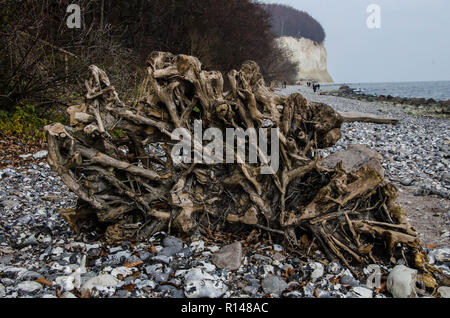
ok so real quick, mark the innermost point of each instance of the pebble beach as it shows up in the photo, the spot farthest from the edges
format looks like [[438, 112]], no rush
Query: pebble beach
[[41, 258]]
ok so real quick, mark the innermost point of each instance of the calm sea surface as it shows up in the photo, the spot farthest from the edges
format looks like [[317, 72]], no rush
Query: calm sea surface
[[436, 90]]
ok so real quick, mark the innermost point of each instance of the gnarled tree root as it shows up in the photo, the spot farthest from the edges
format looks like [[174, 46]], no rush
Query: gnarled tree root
[[117, 159]]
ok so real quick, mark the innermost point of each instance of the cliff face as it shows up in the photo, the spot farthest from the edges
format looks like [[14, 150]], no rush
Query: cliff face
[[311, 58]]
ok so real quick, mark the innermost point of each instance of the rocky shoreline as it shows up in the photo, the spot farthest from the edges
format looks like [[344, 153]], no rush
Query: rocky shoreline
[[41, 257], [416, 151], [413, 106]]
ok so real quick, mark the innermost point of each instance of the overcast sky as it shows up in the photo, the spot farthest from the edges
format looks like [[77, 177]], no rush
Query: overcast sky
[[413, 43]]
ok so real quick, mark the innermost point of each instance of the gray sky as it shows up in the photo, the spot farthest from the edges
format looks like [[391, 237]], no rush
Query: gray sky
[[413, 43]]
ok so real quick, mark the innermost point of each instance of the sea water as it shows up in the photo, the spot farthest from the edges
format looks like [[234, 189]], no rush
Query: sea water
[[439, 91]]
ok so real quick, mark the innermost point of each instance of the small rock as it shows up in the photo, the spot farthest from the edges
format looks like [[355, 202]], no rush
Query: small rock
[[10, 204], [333, 268], [348, 280], [407, 182], [170, 251], [68, 295], [144, 256], [373, 272], [99, 281], [154, 269], [317, 270], [266, 271], [213, 248], [29, 288], [2, 291], [5, 259], [123, 293], [278, 257], [308, 290], [208, 267], [28, 275], [229, 256], [204, 289], [185, 253], [277, 248], [197, 274], [13, 272], [57, 251], [401, 282], [171, 241], [293, 294], [251, 290], [274, 285], [262, 258], [441, 255], [363, 292], [162, 259], [146, 283], [160, 277], [122, 271], [444, 291], [24, 220], [40, 154], [115, 249], [94, 252], [197, 246], [177, 293]]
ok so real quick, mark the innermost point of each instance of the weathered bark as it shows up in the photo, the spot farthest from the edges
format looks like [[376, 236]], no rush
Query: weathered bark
[[116, 158], [350, 117]]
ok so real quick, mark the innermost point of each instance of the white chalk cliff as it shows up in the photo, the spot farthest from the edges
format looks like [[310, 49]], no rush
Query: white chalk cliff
[[311, 58]]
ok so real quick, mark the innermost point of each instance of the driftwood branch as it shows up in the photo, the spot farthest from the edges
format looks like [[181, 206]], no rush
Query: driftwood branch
[[367, 118]]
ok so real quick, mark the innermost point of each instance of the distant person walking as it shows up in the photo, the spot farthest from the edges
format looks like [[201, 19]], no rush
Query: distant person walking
[[316, 87]]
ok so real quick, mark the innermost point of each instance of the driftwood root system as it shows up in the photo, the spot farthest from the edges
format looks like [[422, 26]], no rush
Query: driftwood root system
[[116, 158]]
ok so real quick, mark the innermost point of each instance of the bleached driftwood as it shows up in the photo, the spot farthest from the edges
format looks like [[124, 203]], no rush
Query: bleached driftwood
[[367, 118], [116, 158]]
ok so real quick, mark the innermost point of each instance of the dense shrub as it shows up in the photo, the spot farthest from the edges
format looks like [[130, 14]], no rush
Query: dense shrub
[[23, 123]]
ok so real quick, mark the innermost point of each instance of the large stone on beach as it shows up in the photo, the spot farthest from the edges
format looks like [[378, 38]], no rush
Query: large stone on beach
[[355, 157], [229, 257], [401, 282], [99, 282]]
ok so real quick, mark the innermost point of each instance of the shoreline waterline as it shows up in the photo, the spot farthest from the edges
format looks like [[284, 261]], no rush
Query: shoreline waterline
[[437, 90]]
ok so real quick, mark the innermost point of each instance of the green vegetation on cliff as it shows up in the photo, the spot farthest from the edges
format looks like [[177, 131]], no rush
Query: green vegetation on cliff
[[287, 21]]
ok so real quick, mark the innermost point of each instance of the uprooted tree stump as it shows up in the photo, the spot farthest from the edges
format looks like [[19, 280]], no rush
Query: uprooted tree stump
[[117, 159]]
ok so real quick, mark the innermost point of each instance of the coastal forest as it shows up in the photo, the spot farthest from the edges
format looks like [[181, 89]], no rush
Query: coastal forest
[[42, 59]]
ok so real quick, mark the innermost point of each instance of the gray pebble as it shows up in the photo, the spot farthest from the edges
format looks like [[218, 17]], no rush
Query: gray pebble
[[274, 285]]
